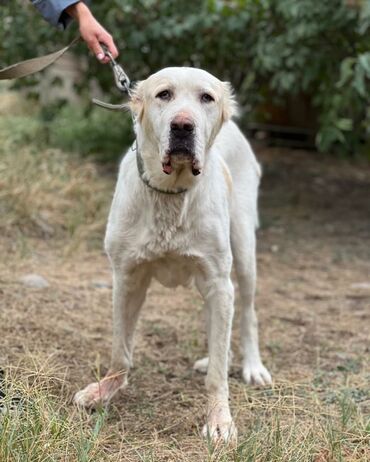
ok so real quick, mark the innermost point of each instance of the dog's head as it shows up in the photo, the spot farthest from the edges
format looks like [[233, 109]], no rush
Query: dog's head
[[179, 112]]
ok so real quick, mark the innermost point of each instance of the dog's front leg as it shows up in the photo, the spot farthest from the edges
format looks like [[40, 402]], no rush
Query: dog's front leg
[[220, 302], [129, 290]]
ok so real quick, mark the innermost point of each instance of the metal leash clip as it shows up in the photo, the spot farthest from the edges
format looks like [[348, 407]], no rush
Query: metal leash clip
[[120, 76], [122, 83]]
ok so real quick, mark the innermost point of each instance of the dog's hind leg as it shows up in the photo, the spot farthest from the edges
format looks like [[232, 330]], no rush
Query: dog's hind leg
[[201, 365], [243, 244], [129, 290]]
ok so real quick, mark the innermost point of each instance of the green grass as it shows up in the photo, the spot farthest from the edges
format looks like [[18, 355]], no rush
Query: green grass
[[42, 426], [289, 423]]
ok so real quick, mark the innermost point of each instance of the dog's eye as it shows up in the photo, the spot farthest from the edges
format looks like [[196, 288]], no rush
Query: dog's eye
[[165, 95], [207, 98]]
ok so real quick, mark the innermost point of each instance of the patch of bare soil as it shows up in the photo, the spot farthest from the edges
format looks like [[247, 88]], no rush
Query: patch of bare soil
[[313, 303]]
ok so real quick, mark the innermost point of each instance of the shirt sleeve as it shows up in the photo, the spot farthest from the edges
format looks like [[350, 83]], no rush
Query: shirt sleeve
[[53, 11]]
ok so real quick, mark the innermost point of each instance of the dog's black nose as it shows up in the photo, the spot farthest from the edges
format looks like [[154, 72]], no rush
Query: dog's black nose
[[181, 127]]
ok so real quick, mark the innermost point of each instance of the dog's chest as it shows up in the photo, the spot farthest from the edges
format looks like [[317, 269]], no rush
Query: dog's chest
[[167, 228]]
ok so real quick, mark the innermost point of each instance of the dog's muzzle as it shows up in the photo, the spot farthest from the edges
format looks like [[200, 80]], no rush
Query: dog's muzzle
[[181, 145]]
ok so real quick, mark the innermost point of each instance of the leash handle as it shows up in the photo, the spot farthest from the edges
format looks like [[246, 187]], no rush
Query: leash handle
[[31, 66]]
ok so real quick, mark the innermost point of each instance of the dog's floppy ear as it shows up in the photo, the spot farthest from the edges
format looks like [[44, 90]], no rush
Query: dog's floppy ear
[[230, 106], [137, 100]]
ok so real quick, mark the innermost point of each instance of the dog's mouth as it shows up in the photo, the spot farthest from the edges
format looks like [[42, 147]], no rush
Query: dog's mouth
[[177, 157]]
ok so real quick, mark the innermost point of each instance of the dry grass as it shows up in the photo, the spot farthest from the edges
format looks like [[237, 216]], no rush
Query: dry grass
[[291, 422], [314, 317], [45, 193], [37, 426]]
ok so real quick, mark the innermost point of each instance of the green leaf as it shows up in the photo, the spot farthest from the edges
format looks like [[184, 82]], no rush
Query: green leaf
[[328, 136], [359, 80], [346, 71], [344, 124], [364, 61]]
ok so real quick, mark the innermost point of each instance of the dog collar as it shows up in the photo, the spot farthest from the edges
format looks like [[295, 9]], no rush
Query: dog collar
[[140, 168]]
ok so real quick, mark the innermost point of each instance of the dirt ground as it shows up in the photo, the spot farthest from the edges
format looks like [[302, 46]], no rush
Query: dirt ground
[[313, 303]]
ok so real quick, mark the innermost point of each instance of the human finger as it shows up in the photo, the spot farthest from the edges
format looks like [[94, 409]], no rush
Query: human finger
[[108, 41]]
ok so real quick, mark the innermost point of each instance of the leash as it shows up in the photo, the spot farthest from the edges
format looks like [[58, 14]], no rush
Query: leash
[[122, 81], [31, 66]]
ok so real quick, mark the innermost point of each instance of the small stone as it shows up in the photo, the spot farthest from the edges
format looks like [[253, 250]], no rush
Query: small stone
[[274, 248], [101, 285], [361, 285], [35, 281]]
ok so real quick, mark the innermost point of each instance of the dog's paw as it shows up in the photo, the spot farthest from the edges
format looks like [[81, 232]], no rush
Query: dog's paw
[[201, 365], [100, 393], [256, 374], [91, 396], [220, 432]]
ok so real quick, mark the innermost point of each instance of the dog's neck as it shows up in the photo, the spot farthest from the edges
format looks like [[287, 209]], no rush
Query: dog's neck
[[151, 173]]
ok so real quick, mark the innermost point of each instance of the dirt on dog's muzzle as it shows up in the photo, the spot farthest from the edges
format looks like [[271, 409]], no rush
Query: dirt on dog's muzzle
[[175, 159]]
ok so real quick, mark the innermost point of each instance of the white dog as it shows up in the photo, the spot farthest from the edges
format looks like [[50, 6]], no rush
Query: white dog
[[185, 209]]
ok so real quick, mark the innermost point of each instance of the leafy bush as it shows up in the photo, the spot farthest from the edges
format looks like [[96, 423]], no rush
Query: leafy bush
[[321, 49], [100, 133], [269, 51]]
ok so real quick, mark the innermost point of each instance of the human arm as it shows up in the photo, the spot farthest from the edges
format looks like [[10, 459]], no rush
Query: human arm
[[60, 12], [53, 11], [92, 32]]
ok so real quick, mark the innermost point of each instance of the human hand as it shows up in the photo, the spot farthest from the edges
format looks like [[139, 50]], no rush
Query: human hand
[[92, 32]]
